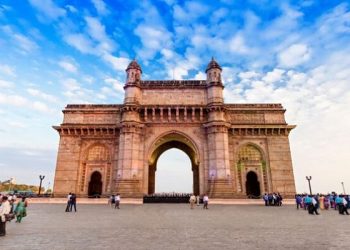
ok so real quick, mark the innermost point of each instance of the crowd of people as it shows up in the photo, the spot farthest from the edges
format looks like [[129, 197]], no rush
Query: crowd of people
[[312, 203], [10, 210], [273, 199]]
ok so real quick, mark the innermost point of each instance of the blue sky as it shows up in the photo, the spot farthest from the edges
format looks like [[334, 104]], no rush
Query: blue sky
[[290, 52]]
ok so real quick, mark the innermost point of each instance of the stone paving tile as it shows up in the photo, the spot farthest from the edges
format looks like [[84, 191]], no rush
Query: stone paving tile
[[175, 226]]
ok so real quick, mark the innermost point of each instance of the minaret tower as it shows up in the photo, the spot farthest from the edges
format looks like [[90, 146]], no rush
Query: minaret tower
[[220, 181], [130, 153], [132, 85]]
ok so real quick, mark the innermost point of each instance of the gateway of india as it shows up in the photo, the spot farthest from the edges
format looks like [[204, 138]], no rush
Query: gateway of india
[[236, 150]]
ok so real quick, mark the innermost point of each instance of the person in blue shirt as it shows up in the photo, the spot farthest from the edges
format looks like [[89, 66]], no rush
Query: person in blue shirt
[[266, 199], [298, 200], [339, 203]]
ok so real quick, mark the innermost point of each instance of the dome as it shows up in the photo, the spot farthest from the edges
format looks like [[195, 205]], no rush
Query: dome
[[133, 65], [212, 65]]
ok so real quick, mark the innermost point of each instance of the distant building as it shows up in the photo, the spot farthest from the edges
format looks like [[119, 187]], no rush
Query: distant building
[[235, 149]]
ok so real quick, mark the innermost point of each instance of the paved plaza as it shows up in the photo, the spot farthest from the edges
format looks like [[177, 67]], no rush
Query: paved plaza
[[175, 226]]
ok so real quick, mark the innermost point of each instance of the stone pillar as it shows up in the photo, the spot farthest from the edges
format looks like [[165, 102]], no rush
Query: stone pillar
[[169, 114], [67, 166], [280, 165], [130, 163]]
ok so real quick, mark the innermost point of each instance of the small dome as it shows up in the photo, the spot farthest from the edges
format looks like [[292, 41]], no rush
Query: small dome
[[133, 65], [213, 64]]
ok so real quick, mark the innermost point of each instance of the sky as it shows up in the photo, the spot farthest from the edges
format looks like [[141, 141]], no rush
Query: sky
[[292, 52]]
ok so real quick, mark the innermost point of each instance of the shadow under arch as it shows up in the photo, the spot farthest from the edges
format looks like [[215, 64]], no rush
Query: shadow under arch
[[169, 140]]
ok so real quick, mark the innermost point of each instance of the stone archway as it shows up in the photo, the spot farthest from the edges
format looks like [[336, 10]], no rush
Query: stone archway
[[169, 141], [252, 158], [95, 184], [252, 185]]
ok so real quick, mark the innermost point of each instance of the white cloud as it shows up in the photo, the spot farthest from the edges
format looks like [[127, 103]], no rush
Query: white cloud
[[48, 8], [71, 8], [294, 55], [68, 65], [237, 45], [118, 63], [196, 10], [80, 42], [13, 100], [153, 39], [42, 107], [273, 76], [200, 76], [117, 85], [40, 94], [101, 7], [25, 43], [71, 84], [7, 70], [6, 84], [248, 75], [97, 31]]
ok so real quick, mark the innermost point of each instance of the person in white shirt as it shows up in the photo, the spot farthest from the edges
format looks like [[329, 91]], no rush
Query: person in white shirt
[[117, 201], [205, 201], [192, 200], [68, 202], [5, 208], [345, 206]]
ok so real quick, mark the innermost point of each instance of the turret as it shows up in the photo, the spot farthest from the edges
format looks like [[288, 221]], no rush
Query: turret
[[132, 85], [214, 83]]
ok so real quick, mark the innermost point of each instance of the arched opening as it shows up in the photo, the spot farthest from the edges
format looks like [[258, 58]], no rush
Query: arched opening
[[251, 157], [252, 185], [95, 184], [173, 141], [173, 172]]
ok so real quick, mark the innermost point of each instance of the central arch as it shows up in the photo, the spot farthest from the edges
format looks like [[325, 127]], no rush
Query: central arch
[[168, 141]]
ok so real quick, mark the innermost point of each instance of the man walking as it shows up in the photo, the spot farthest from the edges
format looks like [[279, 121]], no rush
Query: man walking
[[73, 203], [68, 202], [117, 201], [205, 201]]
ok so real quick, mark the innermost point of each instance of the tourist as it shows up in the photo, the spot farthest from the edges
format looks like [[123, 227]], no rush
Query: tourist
[[279, 199], [5, 209], [314, 205], [117, 201], [197, 200], [21, 210], [298, 200], [339, 203], [321, 201], [266, 199], [205, 201], [73, 203], [192, 200], [345, 205], [326, 202], [270, 197], [68, 202], [112, 200]]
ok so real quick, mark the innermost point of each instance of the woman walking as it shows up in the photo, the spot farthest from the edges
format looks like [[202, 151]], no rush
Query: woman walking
[[21, 210]]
